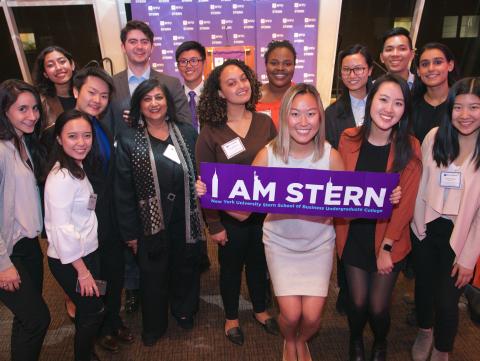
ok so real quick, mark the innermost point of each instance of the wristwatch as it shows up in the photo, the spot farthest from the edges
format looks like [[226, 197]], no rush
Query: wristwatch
[[387, 247]]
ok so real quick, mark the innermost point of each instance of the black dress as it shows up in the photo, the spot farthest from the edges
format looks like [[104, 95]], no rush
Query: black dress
[[359, 249], [425, 117]]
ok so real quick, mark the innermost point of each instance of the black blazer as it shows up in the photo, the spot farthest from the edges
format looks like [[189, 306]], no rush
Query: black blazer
[[338, 117], [124, 185], [102, 183]]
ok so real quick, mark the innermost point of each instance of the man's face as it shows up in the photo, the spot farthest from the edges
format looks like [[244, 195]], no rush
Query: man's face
[[92, 97], [190, 65], [137, 48], [397, 54]]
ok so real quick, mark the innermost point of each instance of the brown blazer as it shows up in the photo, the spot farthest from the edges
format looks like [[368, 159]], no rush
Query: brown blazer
[[397, 226]]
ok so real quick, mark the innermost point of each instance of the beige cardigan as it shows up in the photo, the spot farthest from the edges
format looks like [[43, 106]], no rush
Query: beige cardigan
[[461, 205]]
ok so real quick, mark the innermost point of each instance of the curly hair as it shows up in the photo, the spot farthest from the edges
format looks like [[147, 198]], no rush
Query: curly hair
[[274, 44], [212, 109]]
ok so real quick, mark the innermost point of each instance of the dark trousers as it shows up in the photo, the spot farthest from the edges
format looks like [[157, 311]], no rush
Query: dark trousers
[[31, 315], [132, 273], [244, 248], [436, 297], [112, 266], [169, 275], [89, 310]]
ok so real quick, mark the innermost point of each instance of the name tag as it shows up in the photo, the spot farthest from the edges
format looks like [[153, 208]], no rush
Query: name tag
[[233, 147], [450, 179], [171, 154], [92, 202], [266, 111]]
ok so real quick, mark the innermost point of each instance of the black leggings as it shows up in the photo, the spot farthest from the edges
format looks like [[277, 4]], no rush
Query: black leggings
[[89, 312], [436, 297], [31, 315], [369, 295]]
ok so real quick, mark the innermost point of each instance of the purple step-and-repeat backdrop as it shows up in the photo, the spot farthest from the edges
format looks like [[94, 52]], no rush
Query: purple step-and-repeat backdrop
[[233, 23]]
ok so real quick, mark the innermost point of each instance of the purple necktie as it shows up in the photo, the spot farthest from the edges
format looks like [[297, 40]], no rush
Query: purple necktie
[[193, 109]]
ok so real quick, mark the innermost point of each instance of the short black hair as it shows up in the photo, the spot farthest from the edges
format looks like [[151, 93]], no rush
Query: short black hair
[[274, 44], [81, 77], [396, 32], [190, 45], [136, 25]]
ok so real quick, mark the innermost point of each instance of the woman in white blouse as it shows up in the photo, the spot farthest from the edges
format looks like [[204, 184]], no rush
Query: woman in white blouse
[[71, 226], [21, 260]]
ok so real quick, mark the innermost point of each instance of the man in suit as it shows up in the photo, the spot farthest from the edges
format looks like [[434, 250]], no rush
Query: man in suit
[[190, 57], [92, 88], [137, 45], [397, 53]]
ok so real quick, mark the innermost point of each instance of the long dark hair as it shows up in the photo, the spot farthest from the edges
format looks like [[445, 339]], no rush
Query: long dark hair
[[400, 135], [446, 147], [9, 91], [136, 116], [344, 98], [212, 109], [419, 87], [57, 153], [45, 85]]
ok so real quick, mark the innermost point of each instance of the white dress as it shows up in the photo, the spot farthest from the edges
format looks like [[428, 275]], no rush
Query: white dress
[[299, 248]]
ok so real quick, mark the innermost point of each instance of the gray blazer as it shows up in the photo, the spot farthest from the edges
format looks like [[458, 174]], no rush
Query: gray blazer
[[121, 99]]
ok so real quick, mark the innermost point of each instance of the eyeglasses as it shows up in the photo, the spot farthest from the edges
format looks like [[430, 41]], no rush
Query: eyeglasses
[[193, 62], [357, 71]]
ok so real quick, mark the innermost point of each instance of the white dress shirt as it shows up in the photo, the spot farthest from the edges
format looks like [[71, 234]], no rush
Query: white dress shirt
[[71, 227]]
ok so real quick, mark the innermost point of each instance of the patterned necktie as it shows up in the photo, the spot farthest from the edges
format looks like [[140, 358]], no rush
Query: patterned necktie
[[193, 108]]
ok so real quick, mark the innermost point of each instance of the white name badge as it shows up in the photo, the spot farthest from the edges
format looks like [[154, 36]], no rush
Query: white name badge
[[266, 111], [450, 179], [171, 154], [92, 202], [233, 147]]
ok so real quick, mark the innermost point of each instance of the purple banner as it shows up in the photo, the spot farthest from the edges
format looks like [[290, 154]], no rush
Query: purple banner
[[297, 191], [223, 23]]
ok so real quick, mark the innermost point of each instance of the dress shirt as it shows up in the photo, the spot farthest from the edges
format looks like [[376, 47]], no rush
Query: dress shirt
[[71, 227], [134, 81], [358, 109], [198, 91]]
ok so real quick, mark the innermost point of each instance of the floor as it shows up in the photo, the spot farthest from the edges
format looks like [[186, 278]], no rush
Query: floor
[[207, 341]]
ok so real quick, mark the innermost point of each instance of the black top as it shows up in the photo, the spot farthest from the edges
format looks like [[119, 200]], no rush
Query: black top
[[360, 247], [425, 117], [67, 103], [338, 117], [170, 179]]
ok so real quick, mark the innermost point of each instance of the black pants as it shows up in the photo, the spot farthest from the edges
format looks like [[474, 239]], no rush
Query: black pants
[[31, 315], [244, 248], [112, 266], [89, 310], [169, 275], [436, 297]]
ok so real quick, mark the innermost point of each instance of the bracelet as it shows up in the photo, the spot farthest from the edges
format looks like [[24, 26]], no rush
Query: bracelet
[[84, 277]]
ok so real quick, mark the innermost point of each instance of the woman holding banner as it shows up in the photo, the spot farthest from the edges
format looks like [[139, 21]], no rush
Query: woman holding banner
[[299, 247], [234, 133], [447, 221], [373, 250]]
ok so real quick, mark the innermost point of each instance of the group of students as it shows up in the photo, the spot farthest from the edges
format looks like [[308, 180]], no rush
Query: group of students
[[143, 193]]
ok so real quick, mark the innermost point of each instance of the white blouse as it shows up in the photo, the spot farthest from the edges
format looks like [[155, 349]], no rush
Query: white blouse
[[71, 227]]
